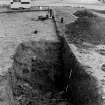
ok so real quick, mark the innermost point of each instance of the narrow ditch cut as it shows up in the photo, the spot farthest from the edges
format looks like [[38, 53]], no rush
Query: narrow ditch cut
[[37, 75], [48, 73]]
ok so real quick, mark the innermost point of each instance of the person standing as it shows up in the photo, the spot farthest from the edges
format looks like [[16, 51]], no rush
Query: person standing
[[50, 13], [62, 19]]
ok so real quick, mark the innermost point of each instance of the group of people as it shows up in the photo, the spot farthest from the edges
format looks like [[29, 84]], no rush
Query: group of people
[[51, 14]]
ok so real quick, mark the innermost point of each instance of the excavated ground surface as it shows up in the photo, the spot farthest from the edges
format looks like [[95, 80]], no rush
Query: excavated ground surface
[[87, 28], [85, 34], [34, 61], [45, 69], [37, 74], [20, 27]]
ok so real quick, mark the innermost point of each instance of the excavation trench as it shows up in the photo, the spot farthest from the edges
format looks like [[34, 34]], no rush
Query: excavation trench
[[38, 74], [48, 73]]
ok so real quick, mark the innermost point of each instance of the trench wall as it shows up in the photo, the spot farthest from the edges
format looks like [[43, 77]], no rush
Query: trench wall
[[81, 87], [40, 62]]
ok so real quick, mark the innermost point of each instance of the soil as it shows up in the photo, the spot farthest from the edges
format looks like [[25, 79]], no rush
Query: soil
[[37, 74], [32, 56], [86, 39], [87, 28]]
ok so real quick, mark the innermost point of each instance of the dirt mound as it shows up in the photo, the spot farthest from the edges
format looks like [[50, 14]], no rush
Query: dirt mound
[[99, 11], [38, 74], [83, 13], [87, 28]]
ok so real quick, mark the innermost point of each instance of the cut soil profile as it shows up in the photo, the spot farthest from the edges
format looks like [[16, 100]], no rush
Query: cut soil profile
[[87, 79], [38, 74], [57, 70], [85, 38]]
